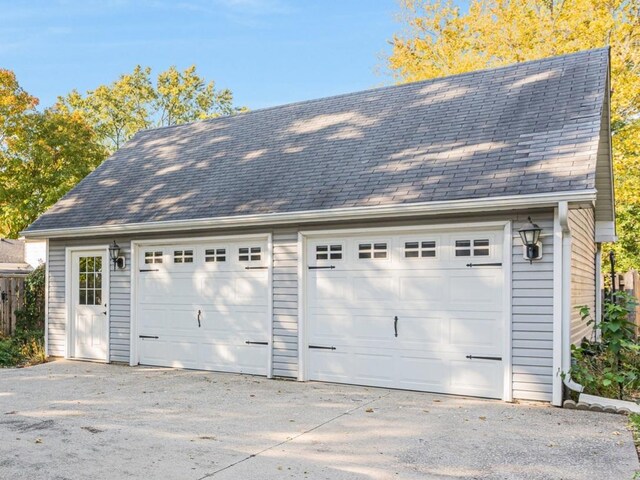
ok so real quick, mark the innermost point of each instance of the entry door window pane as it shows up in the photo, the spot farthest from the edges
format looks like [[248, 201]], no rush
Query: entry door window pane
[[90, 281]]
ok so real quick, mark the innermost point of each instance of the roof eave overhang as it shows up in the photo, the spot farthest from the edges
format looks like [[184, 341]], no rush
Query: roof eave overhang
[[476, 205]]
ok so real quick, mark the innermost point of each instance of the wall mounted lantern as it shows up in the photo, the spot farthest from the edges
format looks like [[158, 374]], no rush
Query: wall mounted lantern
[[530, 235], [116, 258]]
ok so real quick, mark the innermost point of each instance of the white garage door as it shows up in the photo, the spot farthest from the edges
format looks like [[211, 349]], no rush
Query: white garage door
[[204, 306], [418, 311]]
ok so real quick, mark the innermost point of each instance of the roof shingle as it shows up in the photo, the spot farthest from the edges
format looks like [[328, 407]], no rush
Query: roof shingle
[[527, 128]]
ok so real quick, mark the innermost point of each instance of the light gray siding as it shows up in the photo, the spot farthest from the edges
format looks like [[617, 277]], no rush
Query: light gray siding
[[532, 315], [56, 302], [532, 299], [120, 304], [285, 303], [583, 270]]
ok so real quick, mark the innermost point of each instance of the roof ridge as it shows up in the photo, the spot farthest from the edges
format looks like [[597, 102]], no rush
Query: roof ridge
[[378, 89]]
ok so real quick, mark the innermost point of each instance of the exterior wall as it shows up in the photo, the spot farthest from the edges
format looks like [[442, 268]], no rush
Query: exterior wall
[[583, 270], [532, 298]]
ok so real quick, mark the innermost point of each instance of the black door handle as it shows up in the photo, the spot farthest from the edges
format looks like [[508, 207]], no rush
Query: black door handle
[[395, 325], [199, 313]]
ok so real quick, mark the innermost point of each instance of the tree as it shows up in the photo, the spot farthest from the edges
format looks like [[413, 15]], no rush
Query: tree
[[132, 103], [442, 40], [42, 155]]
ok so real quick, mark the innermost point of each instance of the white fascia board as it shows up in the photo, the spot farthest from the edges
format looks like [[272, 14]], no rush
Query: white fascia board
[[329, 215]]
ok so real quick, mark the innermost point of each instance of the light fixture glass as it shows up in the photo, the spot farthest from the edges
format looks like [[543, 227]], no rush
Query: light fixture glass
[[530, 236]]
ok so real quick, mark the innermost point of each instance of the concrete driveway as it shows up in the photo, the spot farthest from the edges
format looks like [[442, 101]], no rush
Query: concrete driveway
[[75, 420]]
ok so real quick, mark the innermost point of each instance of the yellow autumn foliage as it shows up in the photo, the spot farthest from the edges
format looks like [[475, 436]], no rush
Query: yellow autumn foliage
[[440, 39]]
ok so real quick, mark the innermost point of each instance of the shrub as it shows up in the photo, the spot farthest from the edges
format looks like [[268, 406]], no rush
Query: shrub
[[26, 346], [609, 366]]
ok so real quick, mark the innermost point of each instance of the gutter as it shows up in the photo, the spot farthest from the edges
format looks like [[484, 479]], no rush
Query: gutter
[[563, 217], [338, 214]]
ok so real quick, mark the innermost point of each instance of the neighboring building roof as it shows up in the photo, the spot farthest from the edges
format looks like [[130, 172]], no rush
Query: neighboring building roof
[[518, 130], [11, 251], [12, 259]]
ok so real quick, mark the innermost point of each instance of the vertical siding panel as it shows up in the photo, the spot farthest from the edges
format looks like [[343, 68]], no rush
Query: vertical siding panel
[[285, 303], [583, 270]]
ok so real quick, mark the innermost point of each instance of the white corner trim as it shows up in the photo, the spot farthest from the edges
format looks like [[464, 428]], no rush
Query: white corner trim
[[329, 215], [557, 310], [507, 289], [133, 301], [270, 304], [46, 298], [302, 282]]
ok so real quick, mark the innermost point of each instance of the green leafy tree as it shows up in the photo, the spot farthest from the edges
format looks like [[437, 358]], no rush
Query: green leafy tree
[[133, 102], [439, 39], [42, 155]]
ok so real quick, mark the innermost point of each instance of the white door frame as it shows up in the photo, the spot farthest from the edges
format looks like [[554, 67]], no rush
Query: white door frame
[[304, 236], [134, 357], [69, 351]]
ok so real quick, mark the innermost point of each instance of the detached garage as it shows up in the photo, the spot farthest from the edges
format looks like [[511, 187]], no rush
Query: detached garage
[[434, 236]]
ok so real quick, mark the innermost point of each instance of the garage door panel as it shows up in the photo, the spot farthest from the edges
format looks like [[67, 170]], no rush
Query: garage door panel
[[445, 309], [232, 357], [224, 325], [353, 329], [476, 377], [204, 311], [423, 288], [416, 372]]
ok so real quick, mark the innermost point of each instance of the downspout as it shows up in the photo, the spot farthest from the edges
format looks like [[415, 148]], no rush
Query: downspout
[[598, 265], [563, 217]]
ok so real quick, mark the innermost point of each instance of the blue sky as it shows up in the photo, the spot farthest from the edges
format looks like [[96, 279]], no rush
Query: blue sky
[[268, 52]]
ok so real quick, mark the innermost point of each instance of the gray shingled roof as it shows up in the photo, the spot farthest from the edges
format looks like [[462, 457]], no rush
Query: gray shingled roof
[[518, 130]]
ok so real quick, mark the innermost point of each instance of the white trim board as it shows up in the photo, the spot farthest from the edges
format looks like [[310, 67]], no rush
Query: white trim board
[[330, 215]]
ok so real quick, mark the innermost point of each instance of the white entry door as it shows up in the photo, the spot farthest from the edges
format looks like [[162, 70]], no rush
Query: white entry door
[[419, 311], [89, 304], [205, 305]]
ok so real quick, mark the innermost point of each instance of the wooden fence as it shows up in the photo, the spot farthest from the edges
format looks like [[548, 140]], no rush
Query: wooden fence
[[11, 299]]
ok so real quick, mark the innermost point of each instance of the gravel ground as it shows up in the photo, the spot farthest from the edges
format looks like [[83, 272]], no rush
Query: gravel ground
[[75, 420]]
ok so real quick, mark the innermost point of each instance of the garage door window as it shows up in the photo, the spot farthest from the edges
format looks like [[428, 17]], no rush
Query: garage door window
[[152, 257], [250, 254], [215, 255], [183, 256], [372, 250], [424, 249], [328, 252], [475, 248]]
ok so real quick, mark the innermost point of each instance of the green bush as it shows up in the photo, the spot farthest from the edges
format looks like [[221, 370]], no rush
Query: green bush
[[26, 346], [31, 316], [610, 365]]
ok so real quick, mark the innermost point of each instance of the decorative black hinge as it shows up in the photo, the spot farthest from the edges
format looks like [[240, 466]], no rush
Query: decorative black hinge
[[471, 357], [149, 269], [255, 268], [256, 343], [321, 267], [147, 336], [319, 347], [470, 265]]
